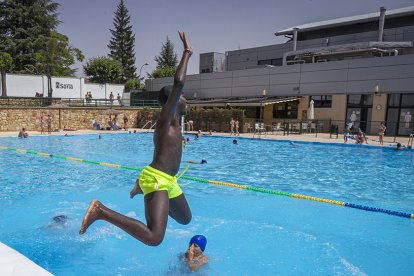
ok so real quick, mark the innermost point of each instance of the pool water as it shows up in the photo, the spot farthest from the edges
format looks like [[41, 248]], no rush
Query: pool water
[[248, 232]]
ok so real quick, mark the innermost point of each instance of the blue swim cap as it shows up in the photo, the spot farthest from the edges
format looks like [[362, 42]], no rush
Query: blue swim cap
[[203, 161], [200, 240]]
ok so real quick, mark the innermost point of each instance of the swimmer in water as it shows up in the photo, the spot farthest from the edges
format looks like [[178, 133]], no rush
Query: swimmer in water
[[195, 162], [195, 253]]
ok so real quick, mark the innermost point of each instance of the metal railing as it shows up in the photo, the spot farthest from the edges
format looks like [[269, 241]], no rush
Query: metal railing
[[74, 102]]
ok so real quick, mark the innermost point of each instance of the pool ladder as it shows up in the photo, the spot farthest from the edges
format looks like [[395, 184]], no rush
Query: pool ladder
[[149, 123], [410, 142]]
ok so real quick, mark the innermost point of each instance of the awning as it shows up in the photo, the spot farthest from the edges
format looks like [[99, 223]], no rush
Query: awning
[[240, 102]]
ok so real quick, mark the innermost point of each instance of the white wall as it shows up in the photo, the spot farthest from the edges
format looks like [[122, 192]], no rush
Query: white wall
[[28, 85], [24, 85]]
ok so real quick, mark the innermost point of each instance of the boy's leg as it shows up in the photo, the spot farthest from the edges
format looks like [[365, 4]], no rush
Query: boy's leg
[[179, 209], [156, 214]]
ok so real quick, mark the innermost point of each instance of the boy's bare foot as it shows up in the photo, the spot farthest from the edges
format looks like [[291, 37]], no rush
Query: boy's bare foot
[[92, 214], [136, 190]]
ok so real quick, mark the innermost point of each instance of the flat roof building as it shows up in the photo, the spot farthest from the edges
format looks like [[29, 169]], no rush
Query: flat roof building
[[357, 69]]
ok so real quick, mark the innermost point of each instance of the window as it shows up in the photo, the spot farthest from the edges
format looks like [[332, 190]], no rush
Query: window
[[274, 62], [264, 62], [287, 110], [360, 101], [394, 100], [321, 101], [407, 100]]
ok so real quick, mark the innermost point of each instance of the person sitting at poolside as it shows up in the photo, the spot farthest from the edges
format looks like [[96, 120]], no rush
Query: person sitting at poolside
[[96, 125], [23, 133], [203, 161], [346, 134], [194, 255], [65, 128], [360, 138]]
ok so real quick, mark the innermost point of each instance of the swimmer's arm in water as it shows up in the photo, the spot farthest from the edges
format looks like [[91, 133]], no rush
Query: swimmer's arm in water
[[193, 162]]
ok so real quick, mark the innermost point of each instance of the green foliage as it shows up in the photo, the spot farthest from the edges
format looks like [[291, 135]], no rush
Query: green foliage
[[28, 34], [58, 55], [6, 62], [133, 84], [163, 72], [167, 57], [104, 70], [122, 42]]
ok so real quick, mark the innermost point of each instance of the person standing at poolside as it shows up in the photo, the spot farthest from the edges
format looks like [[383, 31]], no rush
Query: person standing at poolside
[[49, 123], [236, 127], [381, 133], [42, 124], [162, 194], [232, 126], [125, 122]]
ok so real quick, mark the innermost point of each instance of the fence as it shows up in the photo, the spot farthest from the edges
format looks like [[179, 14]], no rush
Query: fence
[[73, 102]]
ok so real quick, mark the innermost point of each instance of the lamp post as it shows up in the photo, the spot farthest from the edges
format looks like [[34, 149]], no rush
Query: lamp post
[[262, 106], [140, 69]]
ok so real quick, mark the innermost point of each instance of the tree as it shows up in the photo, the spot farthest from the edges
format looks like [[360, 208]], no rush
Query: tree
[[167, 57], [25, 27], [103, 70], [166, 61], [122, 42], [133, 84], [163, 72], [6, 63]]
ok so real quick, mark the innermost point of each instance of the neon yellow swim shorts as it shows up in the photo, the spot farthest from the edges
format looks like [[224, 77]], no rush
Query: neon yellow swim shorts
[[152, 180]]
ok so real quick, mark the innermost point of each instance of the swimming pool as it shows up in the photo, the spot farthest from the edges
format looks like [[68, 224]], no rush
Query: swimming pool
[[247, 232]]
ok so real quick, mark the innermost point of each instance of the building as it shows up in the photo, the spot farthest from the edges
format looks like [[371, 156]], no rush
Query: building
[[357, 69]]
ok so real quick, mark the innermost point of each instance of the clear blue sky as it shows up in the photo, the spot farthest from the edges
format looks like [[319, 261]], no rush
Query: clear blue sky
[[211, 26]]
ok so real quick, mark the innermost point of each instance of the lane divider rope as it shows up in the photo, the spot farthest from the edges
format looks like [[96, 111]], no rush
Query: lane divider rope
[[222, 183]]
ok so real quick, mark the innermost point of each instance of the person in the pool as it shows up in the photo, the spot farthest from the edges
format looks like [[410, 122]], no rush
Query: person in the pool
[[194, 255], [158, 183], [203, 161]]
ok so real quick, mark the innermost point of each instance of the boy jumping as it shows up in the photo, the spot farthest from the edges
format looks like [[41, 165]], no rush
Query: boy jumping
[[162, 195]]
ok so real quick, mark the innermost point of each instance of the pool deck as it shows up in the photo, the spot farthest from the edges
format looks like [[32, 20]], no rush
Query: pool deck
[[306, 137], [14, 263]]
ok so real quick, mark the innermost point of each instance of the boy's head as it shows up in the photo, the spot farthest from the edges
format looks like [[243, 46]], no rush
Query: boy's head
[[200, 240], [163, 95]]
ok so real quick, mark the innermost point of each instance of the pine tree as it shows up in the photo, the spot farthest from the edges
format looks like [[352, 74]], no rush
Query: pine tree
[[167, 57], [122, 42], [25, 26]]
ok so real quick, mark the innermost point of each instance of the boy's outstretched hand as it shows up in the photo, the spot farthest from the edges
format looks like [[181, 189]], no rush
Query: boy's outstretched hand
[[187, 46]]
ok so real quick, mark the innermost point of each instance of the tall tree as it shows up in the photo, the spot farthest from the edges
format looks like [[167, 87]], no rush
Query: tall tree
[[28, 33], [166, 61], [122, 42], [25, 26], [6, 63], [167, 56]]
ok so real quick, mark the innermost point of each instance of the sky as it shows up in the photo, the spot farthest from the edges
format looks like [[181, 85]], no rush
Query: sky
[[211, 26]]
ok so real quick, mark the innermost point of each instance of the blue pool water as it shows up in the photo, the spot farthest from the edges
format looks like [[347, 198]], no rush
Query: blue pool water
[[248, 233]]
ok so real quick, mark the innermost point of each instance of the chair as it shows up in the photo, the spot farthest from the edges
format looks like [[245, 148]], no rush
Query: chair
[[276, 127], [312, 127], [247, 127], [259, 128], [305, 127]]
